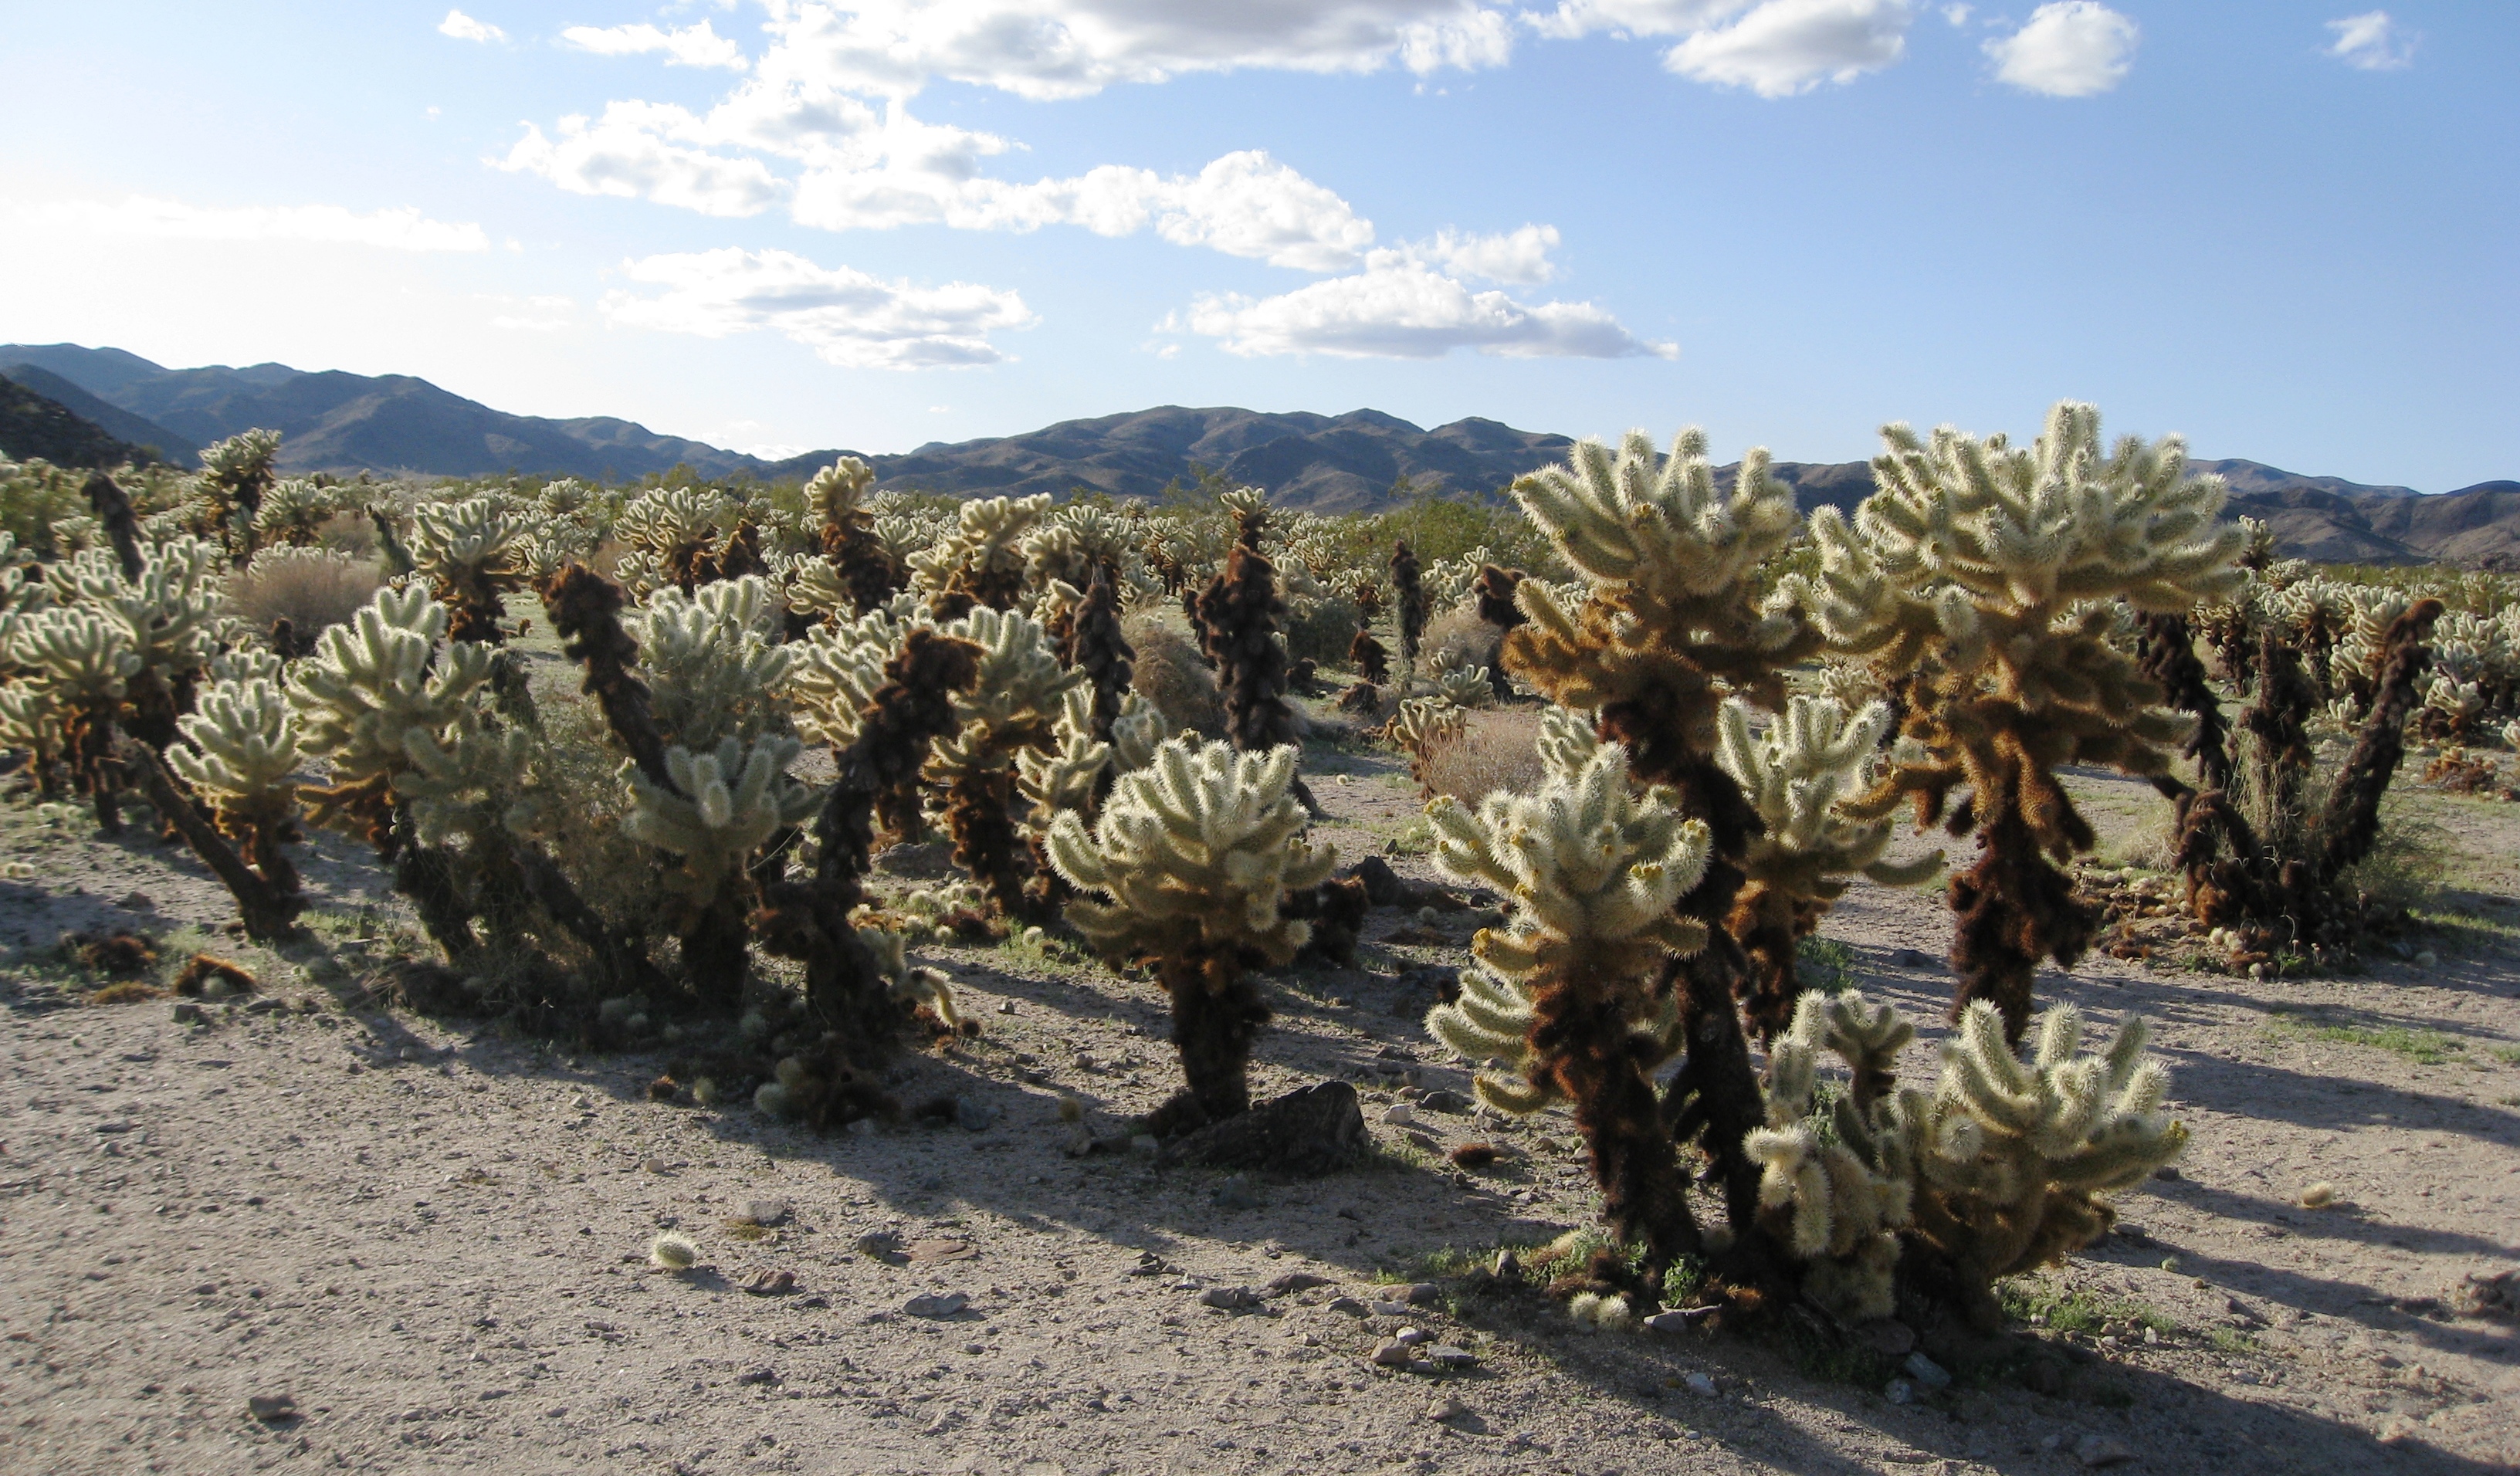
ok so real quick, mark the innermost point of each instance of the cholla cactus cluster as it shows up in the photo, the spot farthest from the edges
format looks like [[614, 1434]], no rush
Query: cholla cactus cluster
[[1594, 866], [1997, 580], [1188, 870]]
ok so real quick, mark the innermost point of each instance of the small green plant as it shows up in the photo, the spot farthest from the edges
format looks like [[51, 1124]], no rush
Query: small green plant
[[2061, 1308], [1827, 965], [2231, 1341], [2508, 1055], [2425, 1048]]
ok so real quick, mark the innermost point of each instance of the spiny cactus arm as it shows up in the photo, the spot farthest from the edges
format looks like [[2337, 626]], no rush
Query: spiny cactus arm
[[241, 745]]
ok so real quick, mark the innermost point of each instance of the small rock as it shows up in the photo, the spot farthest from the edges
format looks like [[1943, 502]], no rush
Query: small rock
[[1236, 1192], [881, 1244], [1143, 1142], [1926, 1371], [1509, 1266], [1423, 1142], [1387, 1309], [1444, 1099], [1675, 1320], [1451, 1359], [760, 1374], [1229, 1298], [271, 1408], [2168, 1173], [1295, 1281], [188, 1012], [1899, 1392], [1890, 1337], [1699, 1382], [1350, 1306], [1005, 1007], [1411, 1337], [975, 1115], [2397, 1431], [938, 1306], [1392, 1354], [860, 1127], [1908, 958], [2426, 958], [1400, 1115], [1444, 1410], [138, 902], [764, 1212], [2100, 1450], [653, 1164], [267, 1005], [770, 1283], [1079, 1143], [2318, 1195]]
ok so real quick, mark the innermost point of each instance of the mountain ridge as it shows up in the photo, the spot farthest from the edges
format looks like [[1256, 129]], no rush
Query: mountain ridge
[[1361, 461]]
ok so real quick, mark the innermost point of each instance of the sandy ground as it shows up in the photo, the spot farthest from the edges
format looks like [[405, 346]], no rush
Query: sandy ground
[[432, 1240]]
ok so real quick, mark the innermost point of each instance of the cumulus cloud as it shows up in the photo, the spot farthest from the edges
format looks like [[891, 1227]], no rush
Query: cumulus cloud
[[1783, 47], [2069, 49], [464, 27], [2372, 42], [1044, 48], [690, 46], [847, 317], [399, 230], [646, 151], [1401, 308]]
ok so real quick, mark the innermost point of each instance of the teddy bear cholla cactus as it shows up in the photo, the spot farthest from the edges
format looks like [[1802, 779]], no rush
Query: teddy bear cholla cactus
[[1195, 855], [1012, 708], [981, 561], [1998, 580], [1669, 618], [712, 661], [472, 554], [235, 474], [1836, 1191], [1593, 866], [240, 754], [1798, 776]]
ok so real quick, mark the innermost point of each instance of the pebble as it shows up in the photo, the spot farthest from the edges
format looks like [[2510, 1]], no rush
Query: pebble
[[936, 1305], [271, 1408], [1400, 1115], [1143, 1142], [1443, 1410], [1384, 1309], [1699, 1382], [1411, 1337], [975, 1115], [2168, 1173], [1673, 1321], [1926, 1371], [1451, 1359], [765, 1211], [760, 1374], [1349, 1305], [1890, 1337], [882, 1244], [653, 1164], [138, 902], [1393, 1352], [1423, 1142], [1899, 1392], [2100, 1450], [1424, 1293], [1445, 1100], [770, 1283], [1294, 1281], [1238, 1193], [1229, 1298], [187, 1012], [860, 1127]]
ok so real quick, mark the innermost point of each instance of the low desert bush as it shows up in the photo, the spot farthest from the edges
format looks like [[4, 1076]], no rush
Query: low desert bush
[[309, 588], [1171, 673], [351, 534], [1459, 639], [1320, 630], [1495, 751]]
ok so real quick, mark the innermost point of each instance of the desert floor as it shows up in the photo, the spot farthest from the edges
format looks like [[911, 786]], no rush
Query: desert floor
[[431, 1236]]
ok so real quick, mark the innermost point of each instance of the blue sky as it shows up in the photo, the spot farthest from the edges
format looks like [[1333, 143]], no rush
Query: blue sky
[[2283, 229]]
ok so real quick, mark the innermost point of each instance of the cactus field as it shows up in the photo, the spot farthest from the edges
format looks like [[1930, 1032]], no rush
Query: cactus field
[[1628, 976]]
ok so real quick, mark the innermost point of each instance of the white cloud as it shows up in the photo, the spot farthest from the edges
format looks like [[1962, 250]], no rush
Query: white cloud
[[1633, 18], [1071, 48], [1957, 15], [1398, 308], [464, 27], [1788, 46], [2372, 42], [643, 151], [401, 230], [2070, 49], [690, 46], [847, 317]]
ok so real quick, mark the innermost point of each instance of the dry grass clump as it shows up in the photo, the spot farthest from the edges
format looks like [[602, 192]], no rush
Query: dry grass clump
[[1497, 751], [1459, 638], [309, 588], [1171, 673], [353, 534]]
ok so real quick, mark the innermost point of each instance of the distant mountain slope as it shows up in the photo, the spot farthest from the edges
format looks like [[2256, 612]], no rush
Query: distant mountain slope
[[109, 418], [337, 421], [33, 426], [1323, 464]]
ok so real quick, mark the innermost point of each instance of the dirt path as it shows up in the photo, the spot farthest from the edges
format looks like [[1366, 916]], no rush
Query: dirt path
[[433, 1241]]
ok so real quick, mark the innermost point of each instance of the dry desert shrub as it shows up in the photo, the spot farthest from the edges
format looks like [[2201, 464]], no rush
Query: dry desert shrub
[[1497, 751], [1171, 673], [309, 588], [1460, 640], [353, 534]]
